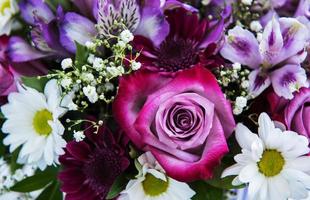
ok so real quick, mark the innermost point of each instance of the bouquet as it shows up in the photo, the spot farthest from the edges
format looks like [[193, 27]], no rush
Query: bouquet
[[154, 99]]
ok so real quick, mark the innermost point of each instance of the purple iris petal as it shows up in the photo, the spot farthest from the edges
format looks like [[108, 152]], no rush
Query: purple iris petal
[[76, 28], [31, 8]]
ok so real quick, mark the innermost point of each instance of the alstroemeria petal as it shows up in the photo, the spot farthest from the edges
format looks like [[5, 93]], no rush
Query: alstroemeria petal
[[241, 46], [295, 36], [272, 42], [288, 79], [76, 28], [153, 25], [35, 8], [258, 82]]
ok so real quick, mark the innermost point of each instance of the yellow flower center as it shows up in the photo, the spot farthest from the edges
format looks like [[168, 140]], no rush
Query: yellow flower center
[[40, 122], [271, 163], [153, 186], [4, 4]]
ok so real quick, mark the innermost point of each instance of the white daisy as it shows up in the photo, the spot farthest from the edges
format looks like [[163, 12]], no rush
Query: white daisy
[[153, 184], [33, 123], [8, 8], [272, 163]]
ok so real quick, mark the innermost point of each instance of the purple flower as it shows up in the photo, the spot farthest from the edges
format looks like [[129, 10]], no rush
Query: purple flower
[[297, 113], [275, 60], [184, 121], [140, 17], [91, 166], [190, 41]]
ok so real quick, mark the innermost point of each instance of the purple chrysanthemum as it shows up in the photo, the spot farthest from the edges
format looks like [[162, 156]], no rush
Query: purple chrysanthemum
[[189, 42], [91, 166]]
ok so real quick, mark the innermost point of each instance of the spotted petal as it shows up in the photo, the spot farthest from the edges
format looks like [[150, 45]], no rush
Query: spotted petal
[[258, 82], [288, 79], [241, 46]]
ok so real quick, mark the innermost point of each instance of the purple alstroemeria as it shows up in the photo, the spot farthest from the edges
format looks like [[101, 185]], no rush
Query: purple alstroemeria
[[55, 34], [275, 60]]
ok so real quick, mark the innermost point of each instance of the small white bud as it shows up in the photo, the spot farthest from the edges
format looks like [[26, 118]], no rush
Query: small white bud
[[98, 64], [66, 63], [135, 65], [91, 93], [237, 111], [256, 26], [241, 102], [90, 45], [247, 2], [79, 136], [126, 36], [236, 66], [66, 82]]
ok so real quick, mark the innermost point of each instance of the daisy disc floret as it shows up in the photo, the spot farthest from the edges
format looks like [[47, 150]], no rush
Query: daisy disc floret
[[32, 121], [273, 163]]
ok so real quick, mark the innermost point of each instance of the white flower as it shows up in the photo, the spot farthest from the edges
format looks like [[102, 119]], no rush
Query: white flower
[[237, 110], [153, 184], [241, 102], [8, 8], [236, 66], [66, 82], [273, 163], [91, 93], [98, 64], [90, 45], [245, 84], [91, 58], [205, 2], [126, 36], [259, 37], [79, 136], [135, 65], [33, 123], [88, 77], [115, 71], [247, 2], [121, 44], [256, 26], [66, 63]]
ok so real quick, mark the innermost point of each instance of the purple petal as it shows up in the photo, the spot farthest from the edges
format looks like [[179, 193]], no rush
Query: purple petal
[[288, 79], [277, 3], [258, 82], [272, 42], [20, 51], [215, 34], [172, 4], [76, 28], [153, 25], [86, 7], [295, 37], [303, 9], [241, 46], [31, 8]]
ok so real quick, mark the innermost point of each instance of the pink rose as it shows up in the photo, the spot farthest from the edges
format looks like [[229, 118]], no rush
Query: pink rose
[[183, 120], [297, 113]]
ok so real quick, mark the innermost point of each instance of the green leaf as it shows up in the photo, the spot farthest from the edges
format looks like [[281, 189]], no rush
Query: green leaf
[[37, 181], [118, 186], [51, 192], [13, 161], [81, 55], [1, 116], [35, 82], [206, 192], [53, 4]]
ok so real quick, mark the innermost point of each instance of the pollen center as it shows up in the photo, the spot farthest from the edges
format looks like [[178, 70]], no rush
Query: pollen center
[[271, 163], [4, 5], [40, 122], [153, 186]]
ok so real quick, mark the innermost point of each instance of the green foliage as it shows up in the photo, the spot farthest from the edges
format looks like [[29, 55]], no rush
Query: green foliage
[[118, 186], [81, 55], [51, 192], [53, 4], [205, 191], [37, 181], [13, 160], [35, 82]]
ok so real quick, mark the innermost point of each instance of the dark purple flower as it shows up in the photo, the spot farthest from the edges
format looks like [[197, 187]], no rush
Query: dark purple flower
[[91, 166], [189, 42]]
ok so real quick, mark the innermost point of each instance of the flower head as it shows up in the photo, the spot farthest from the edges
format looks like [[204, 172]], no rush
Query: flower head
[[273, 163], [275, 60], [92, 165], [152, 183], [33, 123], [8, 8], [189, 42]]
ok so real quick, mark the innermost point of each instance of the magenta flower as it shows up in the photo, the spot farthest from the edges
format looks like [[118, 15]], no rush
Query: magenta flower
[[184, 121], [91, 166], [190, 41], [297, 113], [275, 60]]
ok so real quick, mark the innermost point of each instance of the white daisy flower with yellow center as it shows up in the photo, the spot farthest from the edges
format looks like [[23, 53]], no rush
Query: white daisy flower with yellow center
[[32, 121], [153, 184], [8, 8], [273, 163]]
